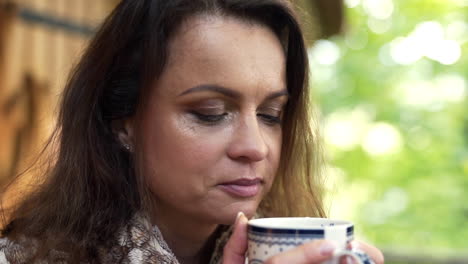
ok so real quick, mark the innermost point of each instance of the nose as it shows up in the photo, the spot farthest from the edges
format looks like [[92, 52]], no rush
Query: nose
[[248, 143]]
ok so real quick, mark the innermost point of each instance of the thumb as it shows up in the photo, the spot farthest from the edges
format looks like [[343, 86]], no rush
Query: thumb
[[234, 251]]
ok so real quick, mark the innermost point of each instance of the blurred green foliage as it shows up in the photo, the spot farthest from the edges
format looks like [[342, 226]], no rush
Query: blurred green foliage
[[394, 100]]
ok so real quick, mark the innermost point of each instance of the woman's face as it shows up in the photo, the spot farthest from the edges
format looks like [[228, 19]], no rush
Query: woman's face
[[211, 131]]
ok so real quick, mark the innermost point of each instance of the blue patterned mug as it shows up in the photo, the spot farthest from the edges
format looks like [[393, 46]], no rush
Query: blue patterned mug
[[270, 236]]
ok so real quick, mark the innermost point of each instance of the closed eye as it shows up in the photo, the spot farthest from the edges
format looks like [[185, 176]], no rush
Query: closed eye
[[209, 119], [270, 119]]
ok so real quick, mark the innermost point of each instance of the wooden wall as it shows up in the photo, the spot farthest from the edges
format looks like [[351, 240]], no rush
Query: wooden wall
[[40, 40]]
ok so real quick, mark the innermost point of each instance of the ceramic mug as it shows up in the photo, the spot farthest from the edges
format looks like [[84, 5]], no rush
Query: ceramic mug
[[270, 236]]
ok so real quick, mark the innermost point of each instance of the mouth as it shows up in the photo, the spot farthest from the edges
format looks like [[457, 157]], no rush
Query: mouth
[[243, 188]]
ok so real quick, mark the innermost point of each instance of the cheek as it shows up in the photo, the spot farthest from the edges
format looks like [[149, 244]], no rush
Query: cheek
[[275, 138], [178, 152], [269, 166]]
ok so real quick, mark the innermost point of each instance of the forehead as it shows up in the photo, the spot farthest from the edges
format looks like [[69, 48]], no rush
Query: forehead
[[224, 51]]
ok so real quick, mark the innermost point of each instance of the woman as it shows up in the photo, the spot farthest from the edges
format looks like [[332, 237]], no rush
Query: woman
[[180, 114]]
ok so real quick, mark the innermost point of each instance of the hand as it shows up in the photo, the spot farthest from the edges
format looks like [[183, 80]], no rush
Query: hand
[[234, 251], [314, 252], [373, 252]]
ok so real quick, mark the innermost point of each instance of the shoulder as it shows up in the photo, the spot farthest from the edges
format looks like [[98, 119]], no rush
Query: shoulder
[[24, 250], [3, 244], [16, 251]]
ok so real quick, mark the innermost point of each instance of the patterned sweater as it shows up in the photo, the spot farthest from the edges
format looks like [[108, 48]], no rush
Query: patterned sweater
[[138, 243]]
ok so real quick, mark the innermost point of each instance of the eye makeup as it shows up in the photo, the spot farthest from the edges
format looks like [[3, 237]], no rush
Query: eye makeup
[[215, 110], [209, 112]]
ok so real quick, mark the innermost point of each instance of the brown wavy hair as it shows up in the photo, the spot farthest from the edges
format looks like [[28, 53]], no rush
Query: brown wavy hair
[[91, 188]]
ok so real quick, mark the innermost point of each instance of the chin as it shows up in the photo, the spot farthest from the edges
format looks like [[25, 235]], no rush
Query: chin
[[228, 217]]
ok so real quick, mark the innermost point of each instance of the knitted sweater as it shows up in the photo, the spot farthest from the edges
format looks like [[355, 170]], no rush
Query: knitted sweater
[[137, 243]]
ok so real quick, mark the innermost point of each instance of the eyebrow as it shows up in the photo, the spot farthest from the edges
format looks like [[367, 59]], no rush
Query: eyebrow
[[229, 92]]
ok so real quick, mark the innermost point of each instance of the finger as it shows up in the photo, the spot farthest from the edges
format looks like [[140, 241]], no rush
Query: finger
[[234, 251], [375, 254], [313, 252]]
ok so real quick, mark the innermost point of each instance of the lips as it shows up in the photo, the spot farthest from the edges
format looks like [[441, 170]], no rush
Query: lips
[[242, 187]]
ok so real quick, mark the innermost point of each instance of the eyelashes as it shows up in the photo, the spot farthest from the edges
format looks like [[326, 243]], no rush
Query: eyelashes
[[210, 119], [270, 119]]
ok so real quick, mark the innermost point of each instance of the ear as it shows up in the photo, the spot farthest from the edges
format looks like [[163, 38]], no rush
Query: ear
[[124, 132]]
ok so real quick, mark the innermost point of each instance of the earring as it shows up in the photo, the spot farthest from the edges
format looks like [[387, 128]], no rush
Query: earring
[[127, 147]]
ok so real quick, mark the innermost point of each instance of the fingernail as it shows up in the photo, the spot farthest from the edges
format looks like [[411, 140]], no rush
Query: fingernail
[[327, 248], [239, 215]]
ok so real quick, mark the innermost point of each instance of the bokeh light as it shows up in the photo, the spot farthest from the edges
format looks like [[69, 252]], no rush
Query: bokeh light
[[427, 39]]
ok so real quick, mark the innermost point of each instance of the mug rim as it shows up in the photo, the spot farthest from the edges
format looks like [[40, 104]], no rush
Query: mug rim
[[280, 224]]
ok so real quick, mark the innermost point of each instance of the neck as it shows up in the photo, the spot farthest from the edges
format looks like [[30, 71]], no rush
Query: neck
[[191, 241]]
